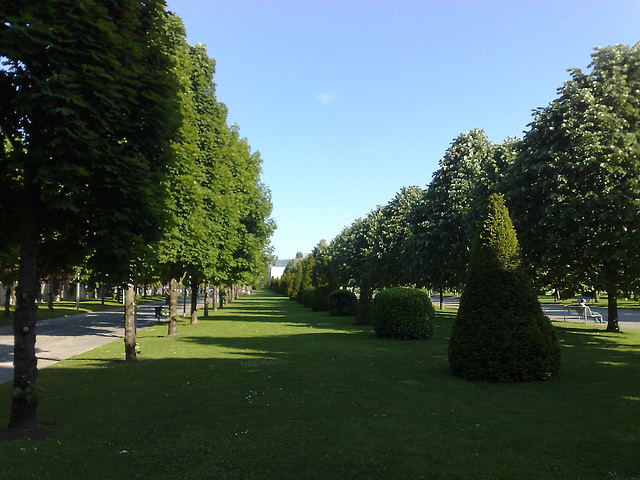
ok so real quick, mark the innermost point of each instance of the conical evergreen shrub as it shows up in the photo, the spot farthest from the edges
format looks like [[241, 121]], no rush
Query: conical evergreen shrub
[[500, 333]]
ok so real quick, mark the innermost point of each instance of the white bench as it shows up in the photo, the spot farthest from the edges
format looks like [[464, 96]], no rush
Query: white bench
[[583, 312]]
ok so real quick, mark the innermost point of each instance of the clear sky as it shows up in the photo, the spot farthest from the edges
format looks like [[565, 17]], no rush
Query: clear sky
[[348, 101]]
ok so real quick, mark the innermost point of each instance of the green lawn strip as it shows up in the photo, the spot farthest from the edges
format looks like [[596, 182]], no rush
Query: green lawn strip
[[66, 308], [265, 389]]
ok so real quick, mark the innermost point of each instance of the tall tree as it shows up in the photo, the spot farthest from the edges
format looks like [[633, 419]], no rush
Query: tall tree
[[90, 93], [390, 238], [438, 251], [575, 188], [353, 261]]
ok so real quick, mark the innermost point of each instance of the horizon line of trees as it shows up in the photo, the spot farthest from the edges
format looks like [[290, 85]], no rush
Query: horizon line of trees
[[117, 161], [572, 187]]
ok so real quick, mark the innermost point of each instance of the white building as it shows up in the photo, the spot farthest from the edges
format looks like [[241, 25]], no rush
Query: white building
[[276, 271]]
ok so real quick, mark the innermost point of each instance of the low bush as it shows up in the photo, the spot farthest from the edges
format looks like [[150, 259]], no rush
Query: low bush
[[403, 313], [342, 303]]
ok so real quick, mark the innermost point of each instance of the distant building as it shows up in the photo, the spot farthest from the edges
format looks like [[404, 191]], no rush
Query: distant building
[[276, 271]]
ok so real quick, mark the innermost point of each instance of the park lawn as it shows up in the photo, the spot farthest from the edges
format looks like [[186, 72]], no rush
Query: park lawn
[[266, 389]]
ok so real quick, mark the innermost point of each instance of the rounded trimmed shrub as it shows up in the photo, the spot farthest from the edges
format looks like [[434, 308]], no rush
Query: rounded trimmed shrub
[[402, 313], [342, 303]]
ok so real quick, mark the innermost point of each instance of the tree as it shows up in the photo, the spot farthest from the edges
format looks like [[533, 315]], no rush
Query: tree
[[354, 260], [323, 276], [390, 238], [500, 332], [575, 189], [90, 95], [438, 251]]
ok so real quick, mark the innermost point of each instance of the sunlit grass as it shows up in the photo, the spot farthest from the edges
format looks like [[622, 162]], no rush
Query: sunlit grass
[[266, 389]]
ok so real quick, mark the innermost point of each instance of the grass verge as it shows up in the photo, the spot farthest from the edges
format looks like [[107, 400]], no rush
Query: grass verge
[[266, 389]]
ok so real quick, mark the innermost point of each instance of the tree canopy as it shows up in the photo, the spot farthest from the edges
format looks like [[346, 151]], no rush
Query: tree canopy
[[575, 187]]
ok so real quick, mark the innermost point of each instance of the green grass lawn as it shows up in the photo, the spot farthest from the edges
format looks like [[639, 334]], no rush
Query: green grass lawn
[[266, 389]]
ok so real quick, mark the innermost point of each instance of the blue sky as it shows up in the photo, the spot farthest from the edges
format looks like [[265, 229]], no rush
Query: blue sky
[[348, 101]]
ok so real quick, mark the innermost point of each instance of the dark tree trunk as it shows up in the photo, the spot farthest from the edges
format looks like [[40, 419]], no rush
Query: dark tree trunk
[[24, 401], [215, 300], [7, 299], [207, 286], [441, 299], [129, 324], [195, 284], [612, 310], [173, 308], [54, 289], [363, 316]]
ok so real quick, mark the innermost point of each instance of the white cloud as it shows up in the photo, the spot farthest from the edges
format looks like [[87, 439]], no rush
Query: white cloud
[[326, 97]]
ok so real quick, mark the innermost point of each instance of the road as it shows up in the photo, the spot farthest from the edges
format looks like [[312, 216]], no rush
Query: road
[[627, 319]]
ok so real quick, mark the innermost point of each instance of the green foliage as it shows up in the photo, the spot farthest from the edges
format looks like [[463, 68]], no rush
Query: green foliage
[[443, 229], [320, 302], [500, 333], [342, 303], [403, 313], [386, 262], [89, 90], [308, 296], [576, 178]]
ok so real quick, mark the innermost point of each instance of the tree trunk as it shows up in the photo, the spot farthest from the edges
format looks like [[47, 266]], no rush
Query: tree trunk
[[441, 299], [363, 315], [612, 310], [173, 308], [207, 286], [129, 324], [54, 288], [195, 284], [24, 401], [214, 300], [7, 298]]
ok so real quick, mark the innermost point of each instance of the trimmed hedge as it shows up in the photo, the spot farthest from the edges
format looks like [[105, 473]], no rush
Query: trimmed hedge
[[342, 303], [402, 313]]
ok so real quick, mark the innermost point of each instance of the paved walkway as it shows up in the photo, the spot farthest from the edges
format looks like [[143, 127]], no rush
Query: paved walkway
[[64, 337], [627, 319]]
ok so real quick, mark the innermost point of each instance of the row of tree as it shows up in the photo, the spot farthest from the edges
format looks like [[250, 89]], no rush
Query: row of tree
[[117, 160], [572, 185]]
